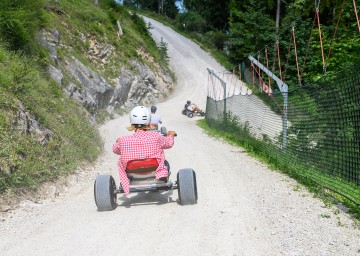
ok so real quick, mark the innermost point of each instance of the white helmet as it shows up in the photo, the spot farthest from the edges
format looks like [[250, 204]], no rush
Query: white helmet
[[140, 115]]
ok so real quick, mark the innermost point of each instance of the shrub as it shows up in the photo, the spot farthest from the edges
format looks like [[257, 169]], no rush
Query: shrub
[[191, 21], [19, 22]]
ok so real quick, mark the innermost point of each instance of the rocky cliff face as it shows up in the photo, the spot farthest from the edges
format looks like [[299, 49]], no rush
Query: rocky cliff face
[[137, 84], [134, 84]]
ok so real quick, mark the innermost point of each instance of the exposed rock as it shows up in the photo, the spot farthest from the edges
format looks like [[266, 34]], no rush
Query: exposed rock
[[145, 85], [25, 123], [94, 86], [80, 95], [122, 89], [98, 53], [55, 74], [55, 35], [5, 208], [50, 39]]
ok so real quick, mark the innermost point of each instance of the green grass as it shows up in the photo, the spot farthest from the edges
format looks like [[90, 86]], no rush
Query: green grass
[[322, 185], [84, 20], [24, 162]]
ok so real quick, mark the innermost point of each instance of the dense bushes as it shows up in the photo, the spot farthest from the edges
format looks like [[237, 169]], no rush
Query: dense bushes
[[19, 22], [191, 22]]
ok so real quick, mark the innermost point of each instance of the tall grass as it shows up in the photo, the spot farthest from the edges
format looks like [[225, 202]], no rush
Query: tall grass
[[19, 22], [317, 182], [24, 162]]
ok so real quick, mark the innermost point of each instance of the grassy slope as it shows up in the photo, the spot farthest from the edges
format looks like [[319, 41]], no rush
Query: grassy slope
[[23, 161], [83, 20], [74, 138]]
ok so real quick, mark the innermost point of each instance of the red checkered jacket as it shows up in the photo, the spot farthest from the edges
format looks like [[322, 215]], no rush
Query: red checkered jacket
[[141, 145]]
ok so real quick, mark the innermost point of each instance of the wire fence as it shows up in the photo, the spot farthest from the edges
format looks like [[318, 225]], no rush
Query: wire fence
[[322, 126]]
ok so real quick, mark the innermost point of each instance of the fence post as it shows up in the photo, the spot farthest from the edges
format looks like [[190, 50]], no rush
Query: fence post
[[243, 72], [120, 32], [223, 83]]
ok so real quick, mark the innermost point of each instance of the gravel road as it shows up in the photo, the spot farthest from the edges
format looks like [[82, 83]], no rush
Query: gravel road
[[244, 208]]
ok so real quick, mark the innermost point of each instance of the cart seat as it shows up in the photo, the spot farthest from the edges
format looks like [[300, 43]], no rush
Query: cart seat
[[143, 166], [142, 171]]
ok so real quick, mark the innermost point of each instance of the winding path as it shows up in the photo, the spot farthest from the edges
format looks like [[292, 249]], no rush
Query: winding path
[[243, 209]]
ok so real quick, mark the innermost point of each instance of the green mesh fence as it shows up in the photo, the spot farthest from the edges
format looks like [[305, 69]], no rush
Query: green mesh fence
[[322, 143]]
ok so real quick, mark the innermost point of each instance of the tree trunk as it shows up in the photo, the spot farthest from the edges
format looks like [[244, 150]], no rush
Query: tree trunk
[[160, 6], [96, 2], [277, 24]]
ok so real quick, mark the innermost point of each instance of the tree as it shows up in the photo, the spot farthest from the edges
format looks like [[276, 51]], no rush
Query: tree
[[170, 8], [191, 21], [251, 28], [277, 23], [149, 5], [216, 13]]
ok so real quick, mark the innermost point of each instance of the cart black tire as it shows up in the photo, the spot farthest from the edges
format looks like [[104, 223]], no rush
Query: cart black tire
[[191, 115], [104, 193], [187, 189], [167, 164]]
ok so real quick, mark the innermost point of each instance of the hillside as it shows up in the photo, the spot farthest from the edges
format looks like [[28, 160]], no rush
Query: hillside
[[69, 71]]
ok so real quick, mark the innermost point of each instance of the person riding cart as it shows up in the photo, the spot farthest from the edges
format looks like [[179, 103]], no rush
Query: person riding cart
[[142, 166], [155, 118], [143, 144], [193, 108]]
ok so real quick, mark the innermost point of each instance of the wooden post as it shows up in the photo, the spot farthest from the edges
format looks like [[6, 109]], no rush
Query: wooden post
[[120, 32]]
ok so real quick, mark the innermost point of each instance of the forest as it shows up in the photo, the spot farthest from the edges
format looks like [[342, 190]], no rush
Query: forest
[[317, 36], [313, 47]]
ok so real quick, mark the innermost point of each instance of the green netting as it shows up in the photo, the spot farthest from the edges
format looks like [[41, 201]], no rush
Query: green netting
[[323, 125]]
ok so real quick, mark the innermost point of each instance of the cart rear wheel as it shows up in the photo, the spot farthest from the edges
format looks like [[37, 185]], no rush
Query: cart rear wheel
[[187, 188], [104, 192]]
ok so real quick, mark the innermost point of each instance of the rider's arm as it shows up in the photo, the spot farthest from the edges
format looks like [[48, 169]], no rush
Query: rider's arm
[[116, 147], [166, 141]]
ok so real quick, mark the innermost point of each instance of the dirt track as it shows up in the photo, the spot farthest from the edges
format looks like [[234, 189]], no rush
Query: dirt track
[[243, 209]]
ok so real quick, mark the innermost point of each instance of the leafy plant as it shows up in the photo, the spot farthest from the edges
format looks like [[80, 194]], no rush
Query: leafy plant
[[19, 22], [163, 50]]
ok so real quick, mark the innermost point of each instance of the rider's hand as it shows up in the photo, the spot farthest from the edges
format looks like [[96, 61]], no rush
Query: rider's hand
[[171, 133]]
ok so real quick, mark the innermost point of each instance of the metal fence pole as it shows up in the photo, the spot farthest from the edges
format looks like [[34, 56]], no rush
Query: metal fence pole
[[223, 83]]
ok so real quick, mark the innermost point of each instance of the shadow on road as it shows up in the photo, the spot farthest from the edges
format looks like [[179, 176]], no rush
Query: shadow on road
[[147, 198]]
